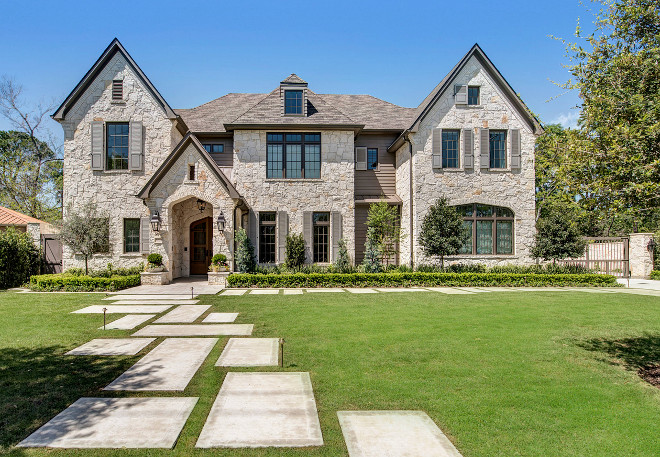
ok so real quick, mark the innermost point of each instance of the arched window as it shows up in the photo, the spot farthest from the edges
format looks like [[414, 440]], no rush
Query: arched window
[[490, 228]]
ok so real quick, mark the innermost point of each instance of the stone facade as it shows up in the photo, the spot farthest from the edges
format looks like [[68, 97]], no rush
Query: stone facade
[[641, 259]]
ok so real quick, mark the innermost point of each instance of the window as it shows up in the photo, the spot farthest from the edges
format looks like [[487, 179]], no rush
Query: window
[[293, 155], [267, 243], [293, 102], [497, 146], [215, 148], [191, 172], [321, 236], [117, 89], [490, 229], [131, 235], [473, 95], [372, 158], [450, 149], [117, 146]]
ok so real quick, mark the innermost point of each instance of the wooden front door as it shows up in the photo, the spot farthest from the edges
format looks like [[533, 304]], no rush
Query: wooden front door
[[201, 246]]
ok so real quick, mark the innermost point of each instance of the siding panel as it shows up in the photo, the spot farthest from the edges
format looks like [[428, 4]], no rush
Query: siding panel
[[226, 159], [381, 181]]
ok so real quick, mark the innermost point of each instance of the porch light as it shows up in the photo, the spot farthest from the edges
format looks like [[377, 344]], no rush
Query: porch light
[[155, 222], [221, 221], [651, 246], [201, 205]]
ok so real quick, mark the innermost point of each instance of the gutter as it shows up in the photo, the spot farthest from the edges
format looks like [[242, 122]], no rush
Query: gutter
[[406, 138]]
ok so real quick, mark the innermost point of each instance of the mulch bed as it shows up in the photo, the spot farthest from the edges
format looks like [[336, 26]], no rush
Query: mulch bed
[[650, 374]]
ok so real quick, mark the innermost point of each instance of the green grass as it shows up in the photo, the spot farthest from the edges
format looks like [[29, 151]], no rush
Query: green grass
[[502, 373]]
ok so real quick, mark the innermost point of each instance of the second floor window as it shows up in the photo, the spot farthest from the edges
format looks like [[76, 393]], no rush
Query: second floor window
[[497, 144], [450, 149], [117, 146], [215, 148], [372, 158], [267, 237], [293, 155], [473, 95], [293, 102]]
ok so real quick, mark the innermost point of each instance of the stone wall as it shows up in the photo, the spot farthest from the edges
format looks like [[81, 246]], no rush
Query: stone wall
[[113, 191], [641, 259]]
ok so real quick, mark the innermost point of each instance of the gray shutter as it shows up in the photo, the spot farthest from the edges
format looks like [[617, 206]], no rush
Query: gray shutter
[[436, 148], [336, 233], [484, 146], [97, 145], [144, 235], [461, 94], [468, 149], [253, 231], [135, 146], [307, 234], [360, 158], [515, 149], [282, 232]]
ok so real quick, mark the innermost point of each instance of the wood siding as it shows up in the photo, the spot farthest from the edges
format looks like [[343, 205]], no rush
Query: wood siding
[[361, 212], [226, 159], [383, 180]]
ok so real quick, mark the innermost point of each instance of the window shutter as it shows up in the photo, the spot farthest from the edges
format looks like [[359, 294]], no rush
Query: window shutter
[[468, 149], [515, 149], [436, 148], [360, 158], [307, 234], [253, 231], [135, 146], [144, 235], [484, 146], [282, 232], [336, 234], [97, 145], [461, 94]]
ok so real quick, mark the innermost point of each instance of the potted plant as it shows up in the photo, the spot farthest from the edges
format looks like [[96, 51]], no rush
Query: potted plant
[[155, 263], [219, 263]]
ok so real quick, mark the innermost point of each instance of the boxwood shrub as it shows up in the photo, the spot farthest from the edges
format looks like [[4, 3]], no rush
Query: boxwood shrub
[[71, 283], [419, 279]]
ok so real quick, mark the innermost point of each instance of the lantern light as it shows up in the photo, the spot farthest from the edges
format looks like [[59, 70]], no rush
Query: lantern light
[[221, 221], [155, 222]]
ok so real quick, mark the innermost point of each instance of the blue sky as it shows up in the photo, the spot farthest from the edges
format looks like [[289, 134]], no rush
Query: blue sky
[[195, 51]]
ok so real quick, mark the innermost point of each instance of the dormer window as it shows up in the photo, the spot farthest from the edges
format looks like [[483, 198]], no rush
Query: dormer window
[[293, 102]]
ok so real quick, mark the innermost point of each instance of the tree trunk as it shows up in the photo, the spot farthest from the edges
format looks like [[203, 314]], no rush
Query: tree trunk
[[86, 268]]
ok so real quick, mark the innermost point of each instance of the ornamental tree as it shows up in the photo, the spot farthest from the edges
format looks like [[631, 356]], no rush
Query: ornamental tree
[[443, 232]]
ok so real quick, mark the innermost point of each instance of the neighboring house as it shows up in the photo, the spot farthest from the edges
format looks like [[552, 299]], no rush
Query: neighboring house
[[24, 223], [180, 181]]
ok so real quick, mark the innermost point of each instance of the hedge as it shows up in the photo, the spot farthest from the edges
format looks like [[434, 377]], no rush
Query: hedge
[[419, 279], [70, 283], [19, 258], [655, 274]]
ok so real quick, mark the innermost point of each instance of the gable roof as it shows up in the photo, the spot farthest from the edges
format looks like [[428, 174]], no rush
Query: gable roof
[[293, 79], [113, 48], [174, 156], [14, 218]]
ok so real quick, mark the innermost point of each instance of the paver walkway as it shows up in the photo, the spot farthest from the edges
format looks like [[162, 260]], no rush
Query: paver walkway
[[219, 318], [187, 301], [183, 314], [123, 309], [195, 330], [263, 409], [115, 423], [151, 297], [170, 366], [128, 322], [250, 352], [112, 346]]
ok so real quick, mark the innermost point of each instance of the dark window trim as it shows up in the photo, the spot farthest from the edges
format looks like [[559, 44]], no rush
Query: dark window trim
[[369, 166], [209, 148], [302, 102], [494, 219], [445, 157], [137, 247], [262, 241], [302, 142], [191, 172], [315, 250], [107, 145], [491, 152], [478, 95]]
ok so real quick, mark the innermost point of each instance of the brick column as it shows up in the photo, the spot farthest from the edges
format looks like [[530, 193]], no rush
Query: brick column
[[641, 260]]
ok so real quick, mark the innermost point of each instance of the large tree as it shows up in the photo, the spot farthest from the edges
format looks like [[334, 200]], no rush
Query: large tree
[[443, 232]]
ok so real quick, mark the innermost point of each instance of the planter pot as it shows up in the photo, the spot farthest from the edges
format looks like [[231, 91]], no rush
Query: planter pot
[[156, 270], [154, 278], [218, 278]]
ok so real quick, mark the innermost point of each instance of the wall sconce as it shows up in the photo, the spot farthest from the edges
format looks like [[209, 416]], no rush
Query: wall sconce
[[651, 246], [221, 221], [201, 205], [155, 222]]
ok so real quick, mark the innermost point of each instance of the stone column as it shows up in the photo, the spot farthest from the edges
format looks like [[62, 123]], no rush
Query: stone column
[[641, 259], [34, 230]]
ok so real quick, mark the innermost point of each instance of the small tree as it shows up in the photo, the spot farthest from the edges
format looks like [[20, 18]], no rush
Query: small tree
[[19, 258], [295, 251], [245, 262], [383, 220], [371, 262], [558, 236], [443, 232], [86, 232], [343, 262]]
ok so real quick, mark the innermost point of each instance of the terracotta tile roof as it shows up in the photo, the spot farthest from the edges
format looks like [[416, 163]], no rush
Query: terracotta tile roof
[[11, 217]]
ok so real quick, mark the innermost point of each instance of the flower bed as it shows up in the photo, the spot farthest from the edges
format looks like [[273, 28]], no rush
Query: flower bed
[[419, 279], [73, 283]]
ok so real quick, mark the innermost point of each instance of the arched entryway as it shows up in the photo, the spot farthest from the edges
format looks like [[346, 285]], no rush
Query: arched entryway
[[201, 246]]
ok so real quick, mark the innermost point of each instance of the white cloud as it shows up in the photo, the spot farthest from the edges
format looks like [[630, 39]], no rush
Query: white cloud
[[567, 120]]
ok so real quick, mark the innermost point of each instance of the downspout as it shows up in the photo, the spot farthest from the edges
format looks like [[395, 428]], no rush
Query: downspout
[[406, 138]]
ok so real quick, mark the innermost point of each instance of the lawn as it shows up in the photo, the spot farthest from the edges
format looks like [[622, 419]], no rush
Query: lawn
[[502, 373]]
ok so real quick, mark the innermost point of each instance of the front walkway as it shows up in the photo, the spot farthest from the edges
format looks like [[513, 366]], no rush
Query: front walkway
[[641, 283], [180, 286]]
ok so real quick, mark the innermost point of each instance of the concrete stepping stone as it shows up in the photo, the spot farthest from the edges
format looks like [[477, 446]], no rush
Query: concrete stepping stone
[[184, 314], [112, 346], [325, 289], [263, 410], [233, 292], [220, 318], [123, 309], [449, 290], [292, 292], [393, 433], [361, 291], [170, 366], [250, 352], [265, 292], [195, 330], [155, 302], [115, 423], [128, 322], [400, 289], [475, 290], [151, 297]]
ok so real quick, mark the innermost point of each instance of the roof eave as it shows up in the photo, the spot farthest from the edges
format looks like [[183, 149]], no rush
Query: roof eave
[[355, 127]]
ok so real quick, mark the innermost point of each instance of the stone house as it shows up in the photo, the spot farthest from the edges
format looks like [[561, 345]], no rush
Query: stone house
[[181, 181]]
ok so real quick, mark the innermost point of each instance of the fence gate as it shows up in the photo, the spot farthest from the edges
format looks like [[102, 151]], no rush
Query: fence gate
[[606, 255], [51, 248]]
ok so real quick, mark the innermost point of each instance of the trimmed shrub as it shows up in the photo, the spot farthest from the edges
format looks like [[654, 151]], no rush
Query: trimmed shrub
[[219, 259], [108, 272], [245, 262], [295, 251], [420, 280], [343, 263], [655, 274], [70, 283], [19, 258], [155, 259]]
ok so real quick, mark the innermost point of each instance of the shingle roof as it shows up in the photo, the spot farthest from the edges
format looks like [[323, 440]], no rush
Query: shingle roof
[[294, 79], [371, 111], [212, 116]]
